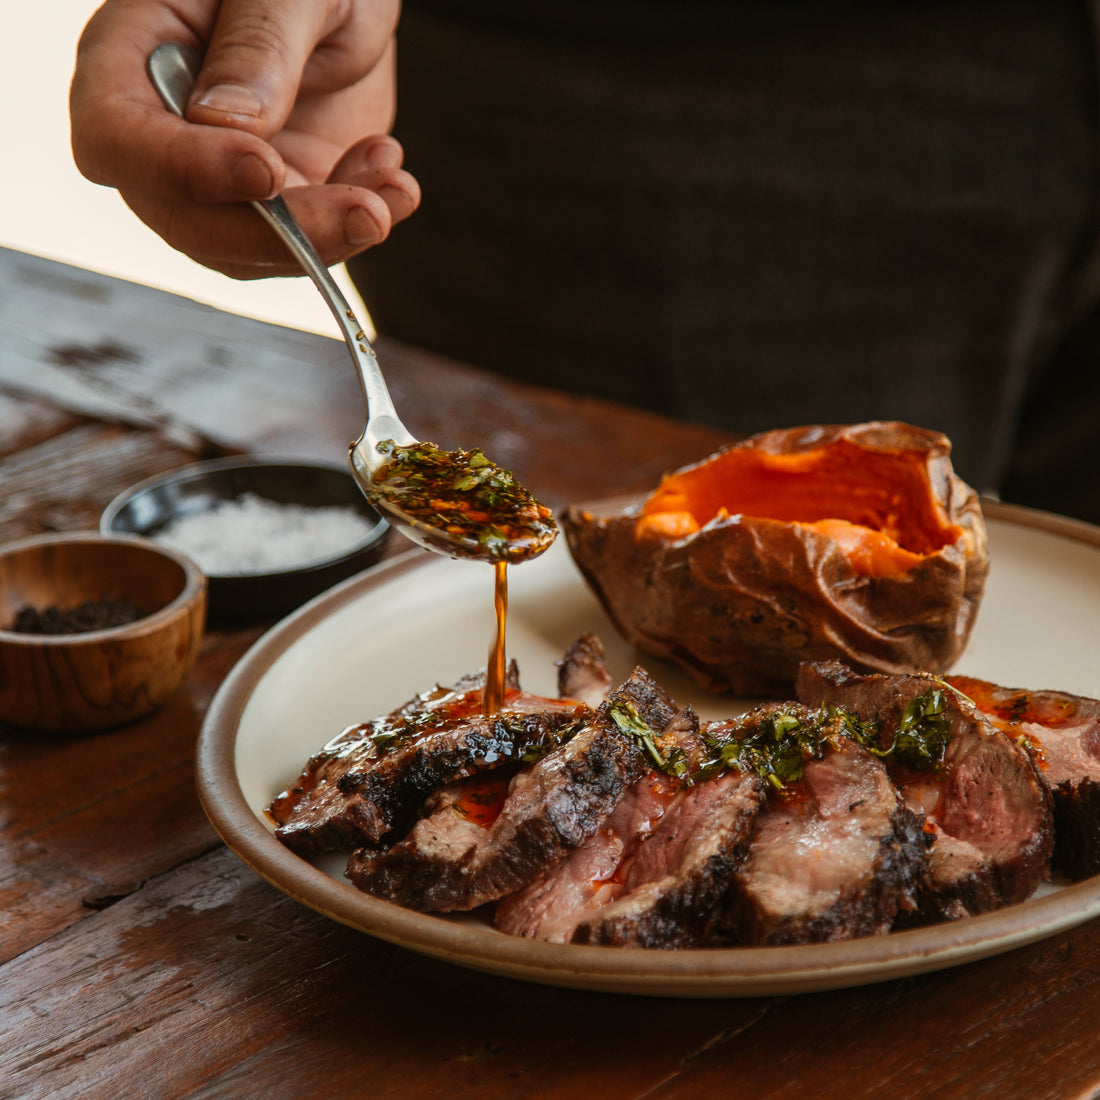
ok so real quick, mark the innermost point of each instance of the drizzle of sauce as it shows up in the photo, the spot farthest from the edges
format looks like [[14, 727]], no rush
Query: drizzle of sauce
[[470, 499], [496, 670], [1011, 710], [1017, 706]]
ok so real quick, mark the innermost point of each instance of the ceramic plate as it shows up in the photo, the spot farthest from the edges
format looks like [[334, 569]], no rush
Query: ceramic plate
[[366, 646]]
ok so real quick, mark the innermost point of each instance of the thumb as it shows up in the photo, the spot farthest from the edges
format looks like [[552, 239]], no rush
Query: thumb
[[253, 66]]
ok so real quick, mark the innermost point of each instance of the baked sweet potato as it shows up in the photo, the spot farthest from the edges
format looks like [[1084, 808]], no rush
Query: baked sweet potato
[[858, 542]]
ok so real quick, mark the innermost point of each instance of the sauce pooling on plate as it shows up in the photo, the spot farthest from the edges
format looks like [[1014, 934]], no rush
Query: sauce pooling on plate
[[467, 496]]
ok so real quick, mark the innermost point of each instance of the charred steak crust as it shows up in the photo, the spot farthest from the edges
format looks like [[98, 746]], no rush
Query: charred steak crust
[[985, 804], [371, 780], [1062, 733], [1077, 829], [552, 808]]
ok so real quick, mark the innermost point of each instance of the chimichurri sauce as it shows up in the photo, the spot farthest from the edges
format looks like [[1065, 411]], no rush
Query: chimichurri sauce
[[468, 496]]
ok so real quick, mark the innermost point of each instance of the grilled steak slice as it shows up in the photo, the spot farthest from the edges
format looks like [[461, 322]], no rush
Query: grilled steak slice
[[1062, 732], [673, 886], [372, 779], [551, 906], [593, 875], [983, 802], [652, 873], [449, 863], [836, 854], [582, 672]]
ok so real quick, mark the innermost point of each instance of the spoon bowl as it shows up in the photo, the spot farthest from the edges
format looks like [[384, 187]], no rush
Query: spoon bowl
[[173, 69]]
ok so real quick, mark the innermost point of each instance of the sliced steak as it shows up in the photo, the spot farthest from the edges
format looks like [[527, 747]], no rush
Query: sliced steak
[[582, 672], [589, 877], [673, 886], [836, 853], [1062, 733], [447, 862], [616, 859], [983, 801], [372, 779]]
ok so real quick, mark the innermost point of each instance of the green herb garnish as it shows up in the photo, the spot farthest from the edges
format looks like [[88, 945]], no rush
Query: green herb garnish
[[778, 744], [923, 732], [922, 736], [775, 748], [633, 725]]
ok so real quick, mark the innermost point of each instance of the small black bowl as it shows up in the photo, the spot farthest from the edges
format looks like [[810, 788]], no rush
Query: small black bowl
[[146, 508]]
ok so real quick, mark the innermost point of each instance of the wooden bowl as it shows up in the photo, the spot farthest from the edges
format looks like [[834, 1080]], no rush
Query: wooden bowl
[[79, 682]]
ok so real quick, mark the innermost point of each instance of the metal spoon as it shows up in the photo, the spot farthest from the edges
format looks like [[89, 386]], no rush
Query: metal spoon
[[173, 69]]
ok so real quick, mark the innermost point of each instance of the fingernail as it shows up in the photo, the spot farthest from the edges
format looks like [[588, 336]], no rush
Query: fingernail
[[396, 196], [231, 99], [383, 154], [252, 177], [360, 228]]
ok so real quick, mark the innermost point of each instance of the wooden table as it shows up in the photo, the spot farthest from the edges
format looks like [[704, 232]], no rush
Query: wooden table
[[139, 957]]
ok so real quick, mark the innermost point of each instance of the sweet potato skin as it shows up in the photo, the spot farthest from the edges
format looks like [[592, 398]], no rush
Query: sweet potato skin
[[742, 601]]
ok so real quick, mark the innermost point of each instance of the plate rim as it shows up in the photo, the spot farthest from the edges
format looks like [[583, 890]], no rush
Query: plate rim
[[695, 972]]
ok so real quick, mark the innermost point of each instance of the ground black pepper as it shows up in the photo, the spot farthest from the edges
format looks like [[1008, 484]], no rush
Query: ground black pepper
[[87, 616]]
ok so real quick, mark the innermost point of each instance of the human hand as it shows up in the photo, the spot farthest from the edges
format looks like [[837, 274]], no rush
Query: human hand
[[295, 96]]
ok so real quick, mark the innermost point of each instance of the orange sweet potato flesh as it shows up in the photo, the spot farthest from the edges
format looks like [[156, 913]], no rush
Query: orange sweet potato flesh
[[854, 541], [883, 512]]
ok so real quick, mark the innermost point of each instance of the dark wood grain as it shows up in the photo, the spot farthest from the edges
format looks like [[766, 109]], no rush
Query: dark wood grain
[[139, 957], [63, 482]]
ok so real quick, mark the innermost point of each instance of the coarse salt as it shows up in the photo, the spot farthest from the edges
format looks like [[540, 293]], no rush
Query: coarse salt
[[255, 535]]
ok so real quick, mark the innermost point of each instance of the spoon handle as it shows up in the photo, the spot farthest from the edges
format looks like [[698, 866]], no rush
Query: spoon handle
[[173, 69], [381, 414]]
